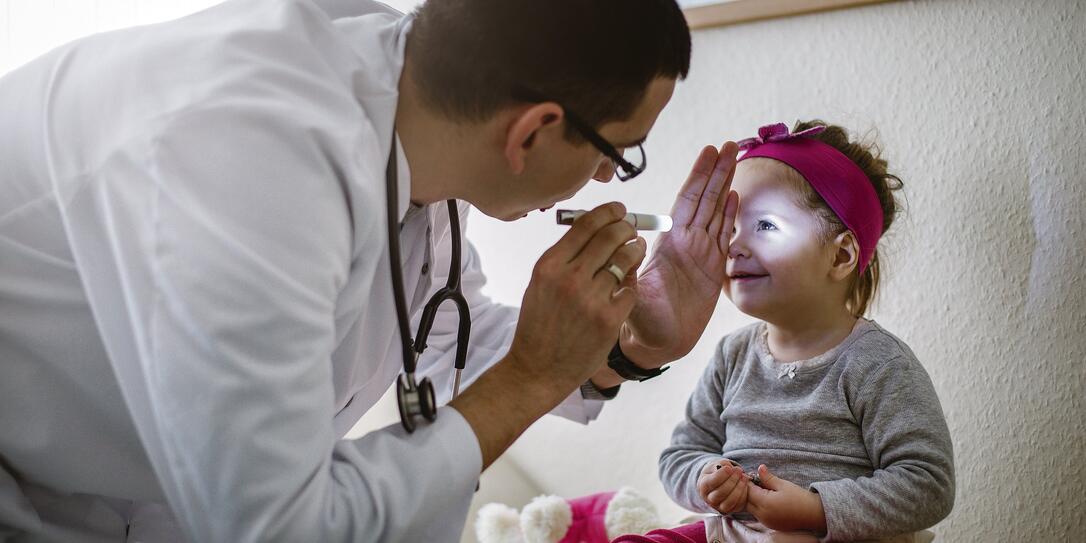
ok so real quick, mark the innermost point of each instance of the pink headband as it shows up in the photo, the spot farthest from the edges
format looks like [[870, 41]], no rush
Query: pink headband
[[838, 180]]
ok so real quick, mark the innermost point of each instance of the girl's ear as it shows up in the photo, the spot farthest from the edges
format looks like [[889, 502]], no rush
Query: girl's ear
[[846, 255]]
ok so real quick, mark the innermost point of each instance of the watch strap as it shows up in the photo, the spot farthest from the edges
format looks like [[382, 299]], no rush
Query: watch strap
[[626, 369]]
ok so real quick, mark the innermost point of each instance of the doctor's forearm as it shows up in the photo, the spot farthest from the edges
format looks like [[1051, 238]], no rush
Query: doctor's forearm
[[504, 401]]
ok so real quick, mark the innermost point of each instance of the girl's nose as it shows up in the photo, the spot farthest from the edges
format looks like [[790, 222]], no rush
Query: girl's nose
[[737, 246]]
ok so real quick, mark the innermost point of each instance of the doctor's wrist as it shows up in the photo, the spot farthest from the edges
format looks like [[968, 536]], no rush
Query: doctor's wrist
[[641, 356], [605, 379]]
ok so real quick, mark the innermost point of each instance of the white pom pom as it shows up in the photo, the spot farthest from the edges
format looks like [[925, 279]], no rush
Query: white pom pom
[[498, 523], [546, 519], [630, 513]]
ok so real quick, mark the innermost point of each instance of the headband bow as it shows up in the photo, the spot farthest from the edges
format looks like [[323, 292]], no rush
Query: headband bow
[[771, 133]]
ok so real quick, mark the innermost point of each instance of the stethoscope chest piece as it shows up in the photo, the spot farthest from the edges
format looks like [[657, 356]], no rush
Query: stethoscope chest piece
[[414, 400]]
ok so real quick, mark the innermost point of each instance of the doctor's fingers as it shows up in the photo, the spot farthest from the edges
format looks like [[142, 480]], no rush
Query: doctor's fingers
[[718, 186], [686, 204], [603, 245], [724, 216], [584, 229], [626, 260]]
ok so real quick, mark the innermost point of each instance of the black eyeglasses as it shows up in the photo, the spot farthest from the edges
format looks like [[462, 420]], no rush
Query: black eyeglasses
[[628, 164]]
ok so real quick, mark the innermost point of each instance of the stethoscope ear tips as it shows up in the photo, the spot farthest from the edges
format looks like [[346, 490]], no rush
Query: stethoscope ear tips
[[414, 400]]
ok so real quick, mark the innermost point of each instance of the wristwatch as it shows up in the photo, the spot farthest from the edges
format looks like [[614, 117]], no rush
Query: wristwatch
[[628, 370]]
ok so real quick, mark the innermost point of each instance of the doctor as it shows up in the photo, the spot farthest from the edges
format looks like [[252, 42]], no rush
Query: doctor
[[195, 293]]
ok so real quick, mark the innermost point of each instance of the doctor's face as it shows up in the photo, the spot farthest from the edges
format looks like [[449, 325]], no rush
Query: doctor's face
[[778, 262], [565, 167]]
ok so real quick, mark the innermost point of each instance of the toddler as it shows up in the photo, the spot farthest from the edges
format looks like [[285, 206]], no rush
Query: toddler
[[815, 423]]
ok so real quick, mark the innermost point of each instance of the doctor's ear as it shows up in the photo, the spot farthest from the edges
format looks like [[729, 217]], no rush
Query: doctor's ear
[[523, 128], [846, 255]]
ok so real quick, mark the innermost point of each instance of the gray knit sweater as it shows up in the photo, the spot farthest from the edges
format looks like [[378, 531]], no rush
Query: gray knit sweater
[[861, 425]]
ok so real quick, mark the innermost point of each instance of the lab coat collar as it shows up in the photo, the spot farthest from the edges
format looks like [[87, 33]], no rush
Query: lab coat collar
[[378, 36]]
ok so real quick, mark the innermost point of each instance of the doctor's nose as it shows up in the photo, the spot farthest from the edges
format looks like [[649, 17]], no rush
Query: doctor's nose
[[605, 171]]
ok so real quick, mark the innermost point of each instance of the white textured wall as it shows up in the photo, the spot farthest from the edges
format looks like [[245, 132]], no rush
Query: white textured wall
[[981, 107]]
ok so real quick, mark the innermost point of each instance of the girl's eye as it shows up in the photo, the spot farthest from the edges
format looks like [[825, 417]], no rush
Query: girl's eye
[[764, 225]]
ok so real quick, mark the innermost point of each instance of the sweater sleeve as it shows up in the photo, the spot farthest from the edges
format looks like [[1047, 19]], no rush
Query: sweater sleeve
[[906, 435], [696, 440]]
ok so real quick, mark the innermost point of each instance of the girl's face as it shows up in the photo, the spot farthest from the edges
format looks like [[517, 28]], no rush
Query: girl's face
[[778, 265]]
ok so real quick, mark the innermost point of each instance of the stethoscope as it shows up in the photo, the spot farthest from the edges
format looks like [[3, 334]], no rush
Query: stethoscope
[[413, 398]]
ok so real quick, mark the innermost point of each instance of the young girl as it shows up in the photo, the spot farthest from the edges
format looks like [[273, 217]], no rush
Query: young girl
[[815, 423]]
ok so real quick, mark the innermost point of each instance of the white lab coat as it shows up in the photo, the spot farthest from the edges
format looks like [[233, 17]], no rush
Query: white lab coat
[[195, 303]]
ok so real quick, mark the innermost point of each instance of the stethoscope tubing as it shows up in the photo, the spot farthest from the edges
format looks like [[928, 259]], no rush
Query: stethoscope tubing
[[451, 291]]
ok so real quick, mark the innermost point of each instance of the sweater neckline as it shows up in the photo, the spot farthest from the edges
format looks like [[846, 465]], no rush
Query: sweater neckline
[[790, 369]]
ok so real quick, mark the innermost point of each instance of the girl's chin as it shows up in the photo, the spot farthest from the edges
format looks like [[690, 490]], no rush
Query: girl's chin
[[752, 307]]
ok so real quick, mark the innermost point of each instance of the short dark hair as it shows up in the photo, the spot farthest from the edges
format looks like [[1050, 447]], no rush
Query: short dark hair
[[596, 57]]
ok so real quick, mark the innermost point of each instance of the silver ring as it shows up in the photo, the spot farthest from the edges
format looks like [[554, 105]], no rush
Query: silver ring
[[616, 271]]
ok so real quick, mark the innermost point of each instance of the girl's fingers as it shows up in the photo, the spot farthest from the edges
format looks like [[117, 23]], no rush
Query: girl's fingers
[[734, 477]]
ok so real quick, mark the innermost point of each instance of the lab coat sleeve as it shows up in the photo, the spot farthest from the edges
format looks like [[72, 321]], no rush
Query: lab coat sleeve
[[492, 328], [232, 237]]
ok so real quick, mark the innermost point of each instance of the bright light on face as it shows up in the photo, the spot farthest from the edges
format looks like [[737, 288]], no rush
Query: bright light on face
[[777, 262]]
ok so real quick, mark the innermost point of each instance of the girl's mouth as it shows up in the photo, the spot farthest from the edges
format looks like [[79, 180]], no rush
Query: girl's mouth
[[747, 276]]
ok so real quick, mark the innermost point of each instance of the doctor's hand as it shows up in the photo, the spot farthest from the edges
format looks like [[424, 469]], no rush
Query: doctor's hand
[[680, 285], [569, 319], [574, 305]]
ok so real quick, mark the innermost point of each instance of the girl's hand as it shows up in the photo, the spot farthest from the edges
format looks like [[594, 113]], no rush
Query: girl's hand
[[724, 486], [783, 505]]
